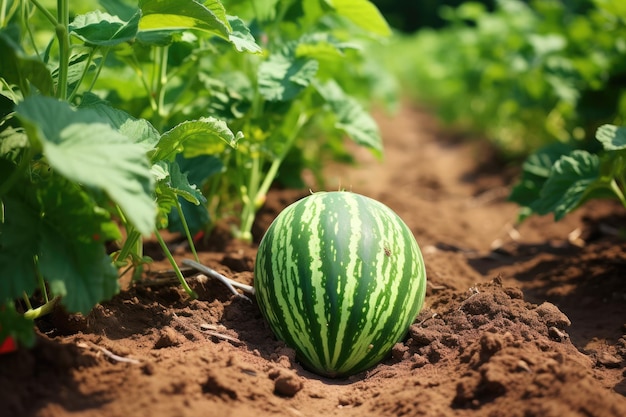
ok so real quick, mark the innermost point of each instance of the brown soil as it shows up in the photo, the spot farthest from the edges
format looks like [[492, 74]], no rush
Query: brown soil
[[518, 321]]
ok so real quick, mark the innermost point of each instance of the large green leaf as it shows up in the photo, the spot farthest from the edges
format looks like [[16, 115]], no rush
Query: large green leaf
[[72, 255], [19, 240], [283, 76], [351, 117], [184, 14], [66, 232], [572, 177], [363, 13], [83, 147], [205, 136], [103, 29]]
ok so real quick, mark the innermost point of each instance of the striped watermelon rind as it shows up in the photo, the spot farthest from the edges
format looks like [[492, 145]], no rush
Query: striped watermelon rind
[[340, 278]]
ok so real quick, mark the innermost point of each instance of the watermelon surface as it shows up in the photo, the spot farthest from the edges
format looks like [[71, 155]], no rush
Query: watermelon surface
[[340, 278]]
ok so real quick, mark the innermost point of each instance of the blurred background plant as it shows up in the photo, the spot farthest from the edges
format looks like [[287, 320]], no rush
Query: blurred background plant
[[536, 78], [523, 73]]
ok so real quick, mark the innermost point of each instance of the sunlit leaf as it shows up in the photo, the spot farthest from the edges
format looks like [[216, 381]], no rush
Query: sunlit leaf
[[205, 136], [184, 14], [363, 13], [283, 76]]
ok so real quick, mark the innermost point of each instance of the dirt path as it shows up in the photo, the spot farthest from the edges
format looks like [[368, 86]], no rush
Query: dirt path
[[518, 321]]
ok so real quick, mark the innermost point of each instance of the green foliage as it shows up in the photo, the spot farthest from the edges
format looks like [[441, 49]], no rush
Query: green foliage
[[526, 74], [74, 168], [308, 82], [127, 119], [559, 181]]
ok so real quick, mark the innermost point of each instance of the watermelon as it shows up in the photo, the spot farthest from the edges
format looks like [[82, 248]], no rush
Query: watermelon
[[340, 278]]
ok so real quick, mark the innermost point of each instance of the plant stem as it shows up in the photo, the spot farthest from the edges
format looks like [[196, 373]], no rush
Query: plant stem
[[86, 70], [132, 237], [61, 30], [3, 12], [256, 194], [183, 220], [179, 274], [134, 63], [27, 301], [618, 192], [105, 53], [41, 281], [249, 195], [38, 312]]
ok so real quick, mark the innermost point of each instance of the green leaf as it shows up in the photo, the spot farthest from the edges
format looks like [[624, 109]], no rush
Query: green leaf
[[12, 139], [139, 131], [72, 256], [351, 117], [205, 136], [66, 231], [322, 46], [571, 178], [536, 170], [241, 37], [83, 147], [362, 13], [184, 14], [80, 59], [16, 68], [169, 177], [81, 273], [19, 243], [158, 37], [15, 325], [612, 137], [103, 29], [197, 170], [171, 184], [283, 76]]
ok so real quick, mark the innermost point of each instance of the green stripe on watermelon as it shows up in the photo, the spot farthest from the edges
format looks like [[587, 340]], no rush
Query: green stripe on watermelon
[[339, 277]]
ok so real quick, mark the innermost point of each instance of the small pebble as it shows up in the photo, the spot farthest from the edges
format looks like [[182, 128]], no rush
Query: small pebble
[[608, 360], [556, 334], [287, 384], [168, 337]]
